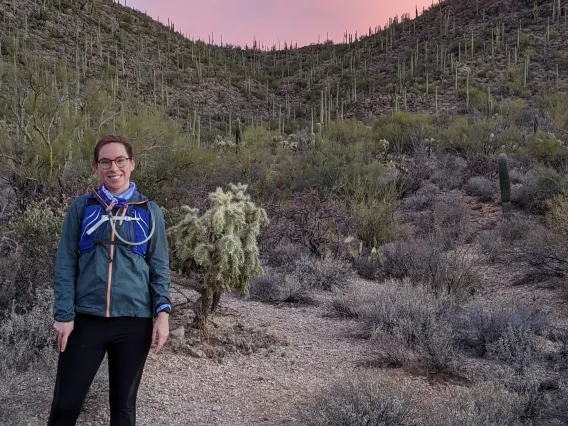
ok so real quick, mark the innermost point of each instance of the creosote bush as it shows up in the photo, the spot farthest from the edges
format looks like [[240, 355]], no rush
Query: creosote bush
[[405, 132]]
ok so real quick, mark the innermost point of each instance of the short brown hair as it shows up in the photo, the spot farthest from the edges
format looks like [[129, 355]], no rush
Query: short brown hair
[[113, 139]]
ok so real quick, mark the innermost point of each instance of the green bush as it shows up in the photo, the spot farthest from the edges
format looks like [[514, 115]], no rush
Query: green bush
[[37, 233], [539, 185], [347, 132], [405, 132], [472, 139], [546, 147], [512, 111]]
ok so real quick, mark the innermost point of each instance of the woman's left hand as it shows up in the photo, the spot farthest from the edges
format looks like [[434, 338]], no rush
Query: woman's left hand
[[160, 331]]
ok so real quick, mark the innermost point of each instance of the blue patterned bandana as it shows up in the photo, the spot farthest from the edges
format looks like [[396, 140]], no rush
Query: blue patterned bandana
[[119, 201]]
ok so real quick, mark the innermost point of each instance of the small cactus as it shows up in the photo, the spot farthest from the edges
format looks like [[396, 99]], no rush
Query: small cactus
[[505, 185], [384, 145]]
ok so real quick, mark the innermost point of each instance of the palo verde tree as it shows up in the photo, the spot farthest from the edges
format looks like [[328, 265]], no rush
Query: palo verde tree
[[222, 244]]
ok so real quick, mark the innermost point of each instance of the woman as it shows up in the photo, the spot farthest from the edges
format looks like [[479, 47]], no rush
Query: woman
[[111, 280]]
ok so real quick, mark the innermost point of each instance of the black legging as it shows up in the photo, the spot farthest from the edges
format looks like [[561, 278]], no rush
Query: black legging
[[127, 342]]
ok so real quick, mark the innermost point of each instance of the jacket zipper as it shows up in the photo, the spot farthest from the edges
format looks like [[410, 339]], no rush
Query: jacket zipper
[[111, 256]]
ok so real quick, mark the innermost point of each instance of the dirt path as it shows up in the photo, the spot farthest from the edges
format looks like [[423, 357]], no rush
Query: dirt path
[[274, 358], [261, 388]]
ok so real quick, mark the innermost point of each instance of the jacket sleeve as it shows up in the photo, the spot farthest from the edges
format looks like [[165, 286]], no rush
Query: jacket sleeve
[[157, 257], [66, 264]]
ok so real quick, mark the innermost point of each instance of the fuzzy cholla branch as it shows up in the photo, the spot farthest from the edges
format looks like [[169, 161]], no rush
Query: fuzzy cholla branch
[[223, 242]]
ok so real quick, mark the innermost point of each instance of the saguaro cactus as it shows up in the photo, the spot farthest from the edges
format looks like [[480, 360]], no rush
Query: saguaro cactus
[[505, 185], [238, 132], [318, 135]]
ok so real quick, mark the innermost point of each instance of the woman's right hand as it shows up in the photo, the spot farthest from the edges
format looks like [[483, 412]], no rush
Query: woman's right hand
[[63, 330]]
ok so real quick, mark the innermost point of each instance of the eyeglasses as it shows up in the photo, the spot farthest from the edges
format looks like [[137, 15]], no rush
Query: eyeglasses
[[121, 162]]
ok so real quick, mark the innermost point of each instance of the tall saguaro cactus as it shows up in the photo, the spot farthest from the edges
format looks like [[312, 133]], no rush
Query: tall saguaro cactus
[[505, 185]]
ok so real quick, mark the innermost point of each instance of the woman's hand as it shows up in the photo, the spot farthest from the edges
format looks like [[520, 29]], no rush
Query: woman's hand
[[160, 331], [63, 330]]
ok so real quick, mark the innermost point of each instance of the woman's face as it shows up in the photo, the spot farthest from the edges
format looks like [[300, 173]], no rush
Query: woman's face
[[115, 178]]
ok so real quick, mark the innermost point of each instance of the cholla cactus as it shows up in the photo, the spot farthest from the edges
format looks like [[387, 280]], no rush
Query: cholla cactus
[[384, 145], [222, 243], [429, 144], [292, 145], [223, 144]]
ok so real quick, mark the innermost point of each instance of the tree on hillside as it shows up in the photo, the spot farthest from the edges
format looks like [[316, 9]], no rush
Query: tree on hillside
[[222, 244]]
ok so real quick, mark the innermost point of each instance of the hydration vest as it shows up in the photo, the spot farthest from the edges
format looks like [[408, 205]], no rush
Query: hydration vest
[[133, 221]]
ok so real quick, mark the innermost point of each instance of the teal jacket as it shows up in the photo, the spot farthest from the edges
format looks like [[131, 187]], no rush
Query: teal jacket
[[110, 280]]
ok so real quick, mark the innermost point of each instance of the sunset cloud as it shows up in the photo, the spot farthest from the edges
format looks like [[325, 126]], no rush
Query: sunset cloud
[[299, 21]]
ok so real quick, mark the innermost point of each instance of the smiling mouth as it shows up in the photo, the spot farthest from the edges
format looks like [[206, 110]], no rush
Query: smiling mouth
[[114, 177]]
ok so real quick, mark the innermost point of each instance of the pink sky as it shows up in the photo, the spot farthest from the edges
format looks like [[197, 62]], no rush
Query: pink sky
[[302, 21]]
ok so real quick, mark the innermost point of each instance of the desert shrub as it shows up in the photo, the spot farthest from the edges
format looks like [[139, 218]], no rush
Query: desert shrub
[[556, 106], [518, 229], [26, 335], [546, 147], [450, 173], [326, 274], [28, 360], [367, 266], [424, 260], [347, 132], [516, 347], [483, 404], [375, 222], [451, 220], [416, 170], [410, 317], [481, 187], [512, 111], [491, 244], [424, 222], [511, 138], [472, 139], [275, 287], [315, 221], [360, 401], [538, 186], [284, 255], [547, 247], [484, 330], [37, 232], [555, 410], [405, 132], [422, 198]]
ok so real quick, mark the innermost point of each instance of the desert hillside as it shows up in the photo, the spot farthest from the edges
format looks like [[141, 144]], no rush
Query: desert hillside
[[396, 206]]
